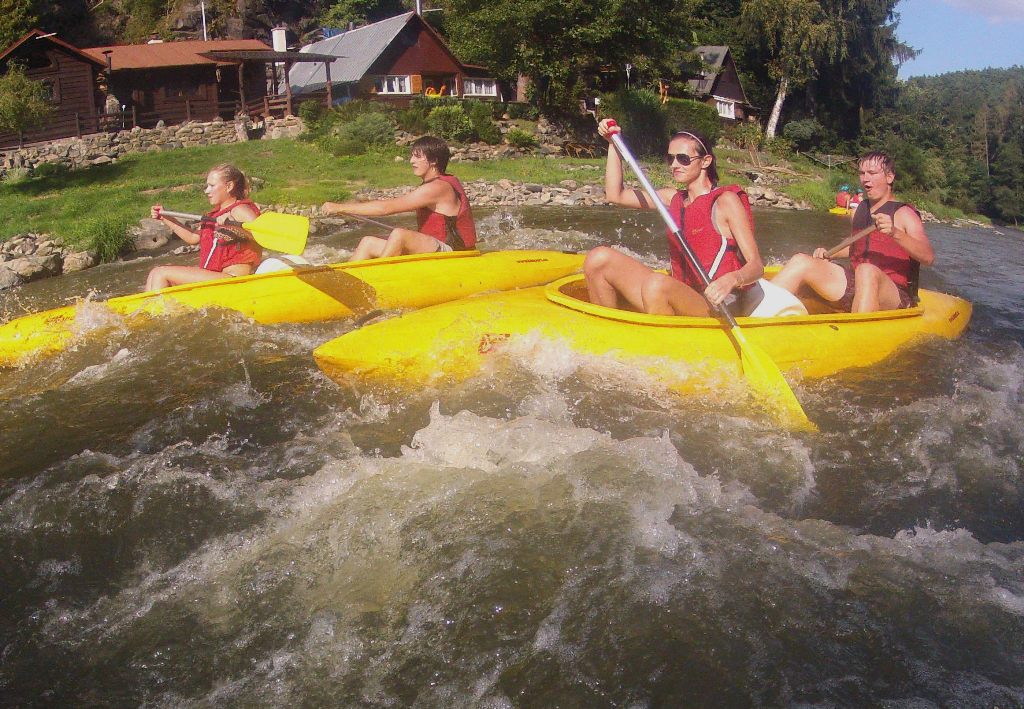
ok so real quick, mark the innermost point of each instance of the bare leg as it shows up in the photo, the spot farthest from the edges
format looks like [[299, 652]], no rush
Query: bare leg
[[399, 242], [826, 278], [164, 276], [873, 290], [612, 275]]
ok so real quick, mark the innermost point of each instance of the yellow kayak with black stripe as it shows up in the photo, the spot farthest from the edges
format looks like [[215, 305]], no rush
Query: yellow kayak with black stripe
[[455, 340], [309, 293]]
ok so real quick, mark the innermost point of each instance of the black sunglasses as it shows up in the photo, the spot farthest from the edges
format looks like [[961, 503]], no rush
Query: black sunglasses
[[683, 158]]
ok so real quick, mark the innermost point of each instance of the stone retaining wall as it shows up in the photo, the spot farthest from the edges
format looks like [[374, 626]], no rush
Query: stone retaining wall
[[102, 148]]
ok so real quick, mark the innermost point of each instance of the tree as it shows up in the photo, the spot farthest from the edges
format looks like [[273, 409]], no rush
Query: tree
[[16, 18], [797, 36], [560, 44], [342, 12], [23, 102]]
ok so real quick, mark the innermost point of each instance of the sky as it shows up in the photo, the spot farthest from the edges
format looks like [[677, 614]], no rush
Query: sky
[[961, 34]]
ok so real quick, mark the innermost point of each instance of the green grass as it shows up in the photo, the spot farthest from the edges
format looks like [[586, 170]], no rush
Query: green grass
[[91, 208]]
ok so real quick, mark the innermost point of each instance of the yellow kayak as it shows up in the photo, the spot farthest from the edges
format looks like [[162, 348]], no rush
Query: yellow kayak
[[456, 339], [310, 293], [842, 211]]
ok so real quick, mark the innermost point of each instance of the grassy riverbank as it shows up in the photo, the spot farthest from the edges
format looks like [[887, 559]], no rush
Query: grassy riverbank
[[93, 208]]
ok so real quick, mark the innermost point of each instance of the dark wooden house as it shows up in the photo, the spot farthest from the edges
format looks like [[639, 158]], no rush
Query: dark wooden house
[[394, 60], [72, 78], [174, 82], [719, 84]]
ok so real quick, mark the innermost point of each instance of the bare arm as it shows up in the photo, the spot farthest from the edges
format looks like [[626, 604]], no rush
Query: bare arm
[[614, 189], [428, 195], [179, 229], [907, 230]]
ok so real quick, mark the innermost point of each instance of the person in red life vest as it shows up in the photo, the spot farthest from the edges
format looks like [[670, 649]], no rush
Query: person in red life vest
[[883, 270], [223, 250], [443, 215], [718, 227]]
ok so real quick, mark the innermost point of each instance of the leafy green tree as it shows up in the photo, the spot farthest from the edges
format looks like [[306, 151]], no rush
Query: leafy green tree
[[797, 35], [23, 102], [340, 14], [16, 18], [560, 44], [1008, 181]]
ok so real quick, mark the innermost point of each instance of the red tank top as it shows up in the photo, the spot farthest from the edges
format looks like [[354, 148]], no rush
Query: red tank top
[[459, 231], [214, 254], [880, 249], [717, 254]]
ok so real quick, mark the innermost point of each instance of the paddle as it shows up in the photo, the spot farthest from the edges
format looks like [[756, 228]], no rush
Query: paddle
[[286, 233], [761, 372], [382, 225], [849, 240]]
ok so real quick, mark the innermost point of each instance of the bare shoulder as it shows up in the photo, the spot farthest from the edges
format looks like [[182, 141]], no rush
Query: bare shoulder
[[907, 216], [243, 213]]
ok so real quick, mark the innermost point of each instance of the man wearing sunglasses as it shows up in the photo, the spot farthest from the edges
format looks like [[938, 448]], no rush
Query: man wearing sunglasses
[[718, 227], [884, 265]]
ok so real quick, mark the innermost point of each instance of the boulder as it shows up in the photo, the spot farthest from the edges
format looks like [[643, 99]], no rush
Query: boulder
[[150, 234], [8, 278], [79, 261], [30, 268]]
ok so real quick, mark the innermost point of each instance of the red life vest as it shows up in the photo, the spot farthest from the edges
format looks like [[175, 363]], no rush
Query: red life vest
[[880, 249], [717, 254], [459, 231], [214, 254]]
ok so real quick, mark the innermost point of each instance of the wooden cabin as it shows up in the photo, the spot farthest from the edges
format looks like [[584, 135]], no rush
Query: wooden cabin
[[719, 85], [394, 60], [72, 78], [173, 82]]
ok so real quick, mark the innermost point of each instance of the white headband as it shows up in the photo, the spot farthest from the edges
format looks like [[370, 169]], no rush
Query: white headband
[[699, 141]]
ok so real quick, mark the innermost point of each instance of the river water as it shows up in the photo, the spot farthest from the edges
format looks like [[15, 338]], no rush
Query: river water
[[191, 514]]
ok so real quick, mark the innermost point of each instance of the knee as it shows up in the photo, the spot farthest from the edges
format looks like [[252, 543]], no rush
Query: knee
[[867, 274], [799, 263], [598, 259], [398, 235], [656, 288]]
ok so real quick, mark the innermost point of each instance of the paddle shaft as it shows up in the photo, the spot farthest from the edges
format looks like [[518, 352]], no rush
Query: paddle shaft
[[382, 225], [849, 241], [620, 145], [193, 217]]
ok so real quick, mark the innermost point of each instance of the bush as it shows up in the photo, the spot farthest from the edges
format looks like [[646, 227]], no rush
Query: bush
[[414, 118], [312, 112], [484, 127], [351, 110], [642, 120], [518, 138], [684, 114], [779, 147], [525, 111], [805, 134], [747, 136], [16, 175], [51, 169], [369, 129], [451, 123], [106, 235]]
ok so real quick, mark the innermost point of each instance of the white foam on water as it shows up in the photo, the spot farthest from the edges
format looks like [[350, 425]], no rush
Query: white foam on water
[[115, 366]]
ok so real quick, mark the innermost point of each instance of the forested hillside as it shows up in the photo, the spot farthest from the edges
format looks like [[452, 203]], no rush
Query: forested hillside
[[821, 73]]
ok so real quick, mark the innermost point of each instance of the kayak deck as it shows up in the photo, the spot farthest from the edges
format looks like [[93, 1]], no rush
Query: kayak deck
[[454, 340], [308, 293]]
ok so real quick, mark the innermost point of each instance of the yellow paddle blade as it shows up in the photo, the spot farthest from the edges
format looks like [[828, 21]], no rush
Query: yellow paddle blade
[[286, 233], [769, 385]]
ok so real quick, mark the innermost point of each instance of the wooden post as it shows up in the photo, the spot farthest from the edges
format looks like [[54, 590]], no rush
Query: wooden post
[[330, 96], [188, 110], [266, 106], [241, 87], [288, 88], [135, 117]]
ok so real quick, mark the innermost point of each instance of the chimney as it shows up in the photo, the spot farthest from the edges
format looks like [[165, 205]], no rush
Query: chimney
[[279, 39]]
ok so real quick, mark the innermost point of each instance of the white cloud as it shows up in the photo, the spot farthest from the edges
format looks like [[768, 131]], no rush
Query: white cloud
[[992, 10]]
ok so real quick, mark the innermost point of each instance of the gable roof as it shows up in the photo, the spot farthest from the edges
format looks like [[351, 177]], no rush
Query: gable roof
[[171, 54], [713, 55], [51, 37], [356, 50]]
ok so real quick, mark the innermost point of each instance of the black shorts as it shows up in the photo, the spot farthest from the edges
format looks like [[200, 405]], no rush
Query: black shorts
[[845, 303]]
